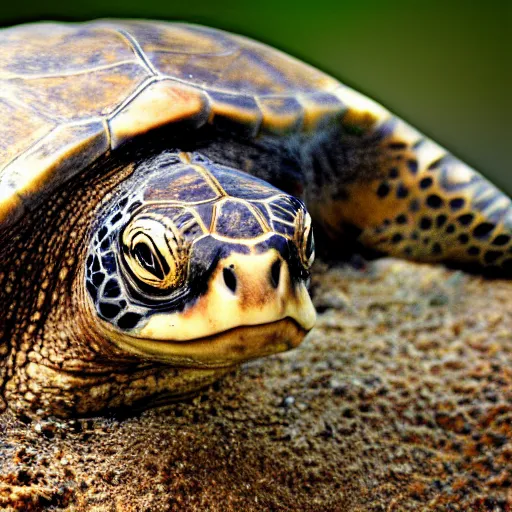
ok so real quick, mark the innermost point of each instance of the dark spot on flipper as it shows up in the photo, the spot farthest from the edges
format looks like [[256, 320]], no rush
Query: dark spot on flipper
[[441, 220], [109, 310], [425, 223], [419, 143], [402, 192], [436, 249], [436, 163], [393, 173], [507, 265], [463, 238], [413, 166], [457, 203], [397, 146], [473, 250], [426, 182], [483, 230], [401, 219], [408, 251], [414, 205], [397, 238], [129, 320], [450, 228], [415, 235], [492, 256], [466, 219], [501, 240], [383, 190], [434, 201]]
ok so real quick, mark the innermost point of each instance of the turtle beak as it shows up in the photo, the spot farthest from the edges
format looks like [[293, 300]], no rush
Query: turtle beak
[[252, 307]]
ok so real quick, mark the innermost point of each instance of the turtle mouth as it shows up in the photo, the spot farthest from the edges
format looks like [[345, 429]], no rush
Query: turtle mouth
[[221, 350]]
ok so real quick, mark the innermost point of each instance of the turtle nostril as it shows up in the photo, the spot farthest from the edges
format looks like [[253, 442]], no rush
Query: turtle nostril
[[229, 279], [275, 273]]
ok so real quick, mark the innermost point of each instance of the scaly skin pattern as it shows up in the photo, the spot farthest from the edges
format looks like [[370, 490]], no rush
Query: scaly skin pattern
[[63, 350], [404, 195], [51, 358]]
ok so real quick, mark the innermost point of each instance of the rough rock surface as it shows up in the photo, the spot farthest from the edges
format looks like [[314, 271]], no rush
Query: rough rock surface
[[400, 399]]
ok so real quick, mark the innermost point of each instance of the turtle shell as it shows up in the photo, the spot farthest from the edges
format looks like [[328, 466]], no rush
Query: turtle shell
[[70, 93]]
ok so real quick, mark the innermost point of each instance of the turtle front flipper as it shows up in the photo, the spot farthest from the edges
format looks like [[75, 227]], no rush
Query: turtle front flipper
[[405, 196]]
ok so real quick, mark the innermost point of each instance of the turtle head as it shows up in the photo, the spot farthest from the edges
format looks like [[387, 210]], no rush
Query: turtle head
[[202, 266]]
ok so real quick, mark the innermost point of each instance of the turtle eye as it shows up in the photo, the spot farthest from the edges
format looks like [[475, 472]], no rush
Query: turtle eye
[[148, 257], [151, 254], [308, 244]]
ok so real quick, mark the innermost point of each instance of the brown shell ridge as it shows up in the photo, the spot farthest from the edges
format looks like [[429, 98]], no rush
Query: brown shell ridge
[[136, 92], [138, 51]]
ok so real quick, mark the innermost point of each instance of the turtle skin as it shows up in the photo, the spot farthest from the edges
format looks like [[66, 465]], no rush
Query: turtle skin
[[89, 105]]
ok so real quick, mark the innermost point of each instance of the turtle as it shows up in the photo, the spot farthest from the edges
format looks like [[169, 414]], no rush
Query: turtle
[[159, 187]]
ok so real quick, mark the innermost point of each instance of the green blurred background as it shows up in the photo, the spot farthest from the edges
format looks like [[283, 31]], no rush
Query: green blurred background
[[442, 65]]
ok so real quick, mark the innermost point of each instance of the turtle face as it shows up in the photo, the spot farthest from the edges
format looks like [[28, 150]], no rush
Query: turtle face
[[200, 265]]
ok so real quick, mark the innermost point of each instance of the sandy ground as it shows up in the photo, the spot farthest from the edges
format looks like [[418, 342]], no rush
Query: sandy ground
[[400, 399]]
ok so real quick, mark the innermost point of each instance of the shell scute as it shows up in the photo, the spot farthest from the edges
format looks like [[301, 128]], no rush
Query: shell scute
[[281, 114], [83, 95], [73, 92], [235, 113], [184, 185], [253, 188], [25, 128], [235, 213], [43, 49], [160, 103]]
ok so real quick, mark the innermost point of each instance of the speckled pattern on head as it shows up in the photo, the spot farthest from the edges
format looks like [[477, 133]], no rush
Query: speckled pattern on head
[[209, 208], [104, 305]]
